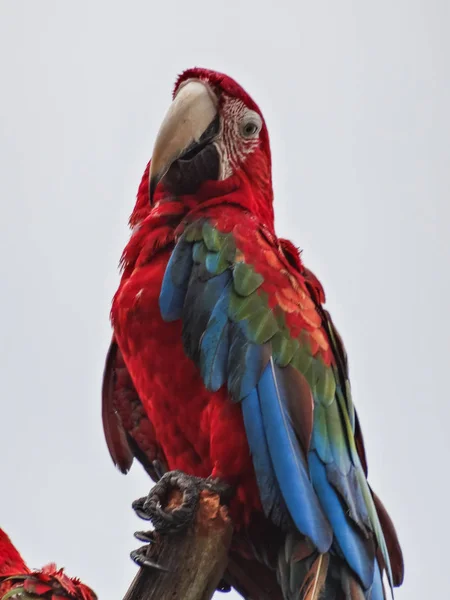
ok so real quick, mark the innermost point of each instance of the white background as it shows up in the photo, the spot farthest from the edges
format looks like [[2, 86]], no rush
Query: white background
[[356, 96]]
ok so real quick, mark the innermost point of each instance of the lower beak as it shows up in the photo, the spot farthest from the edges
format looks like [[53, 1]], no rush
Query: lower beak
[[190, 124]]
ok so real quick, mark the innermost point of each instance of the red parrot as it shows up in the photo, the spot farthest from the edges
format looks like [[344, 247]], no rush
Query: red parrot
[[224, 363], [18, 581]]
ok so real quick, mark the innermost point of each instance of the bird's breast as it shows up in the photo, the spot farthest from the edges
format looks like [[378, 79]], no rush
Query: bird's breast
[[200, 432]]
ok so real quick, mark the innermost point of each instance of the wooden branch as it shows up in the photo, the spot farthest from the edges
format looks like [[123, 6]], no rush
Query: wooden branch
[[196, 558]]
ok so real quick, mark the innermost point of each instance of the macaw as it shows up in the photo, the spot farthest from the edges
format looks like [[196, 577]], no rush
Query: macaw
[[224, 362], [18, 581]]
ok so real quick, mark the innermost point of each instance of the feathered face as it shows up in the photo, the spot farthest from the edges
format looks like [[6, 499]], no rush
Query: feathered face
[[213, 130]]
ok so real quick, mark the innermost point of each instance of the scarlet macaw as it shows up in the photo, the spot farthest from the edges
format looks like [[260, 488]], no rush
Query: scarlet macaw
[[18, 581], [225, 364]]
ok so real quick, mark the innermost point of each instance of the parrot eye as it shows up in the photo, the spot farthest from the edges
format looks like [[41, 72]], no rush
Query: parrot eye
[[250, 125]]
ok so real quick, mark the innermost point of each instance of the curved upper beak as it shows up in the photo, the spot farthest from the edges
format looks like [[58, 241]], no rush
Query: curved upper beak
[[191, 113]]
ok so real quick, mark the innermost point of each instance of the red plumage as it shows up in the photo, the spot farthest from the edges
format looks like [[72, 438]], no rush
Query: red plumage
[[198, 432], [49, 582], [156, 406], [10, 560]]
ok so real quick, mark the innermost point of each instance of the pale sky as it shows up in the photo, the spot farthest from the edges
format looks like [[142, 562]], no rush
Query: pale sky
[[356, 96]]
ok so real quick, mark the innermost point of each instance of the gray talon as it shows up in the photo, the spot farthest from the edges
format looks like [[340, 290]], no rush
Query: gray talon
[[138, 507], [154, 507], [144, 536], [152, 565], [140, 558]]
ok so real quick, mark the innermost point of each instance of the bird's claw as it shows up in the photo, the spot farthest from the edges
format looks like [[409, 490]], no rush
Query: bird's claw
[[145, 536], [168, 519], [138, 507], [139, 556], [172, 518], [154, 507]]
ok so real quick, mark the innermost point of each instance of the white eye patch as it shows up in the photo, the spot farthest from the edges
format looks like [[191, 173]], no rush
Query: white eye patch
[[250, 125]]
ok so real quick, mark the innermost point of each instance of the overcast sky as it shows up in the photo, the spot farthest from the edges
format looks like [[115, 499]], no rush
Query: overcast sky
[[356, 96]]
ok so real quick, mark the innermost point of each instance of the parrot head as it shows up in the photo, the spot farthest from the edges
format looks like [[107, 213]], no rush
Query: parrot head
[[213, 131]]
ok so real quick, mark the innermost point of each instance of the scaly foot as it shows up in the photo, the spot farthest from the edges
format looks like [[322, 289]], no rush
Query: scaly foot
[[167, 518]]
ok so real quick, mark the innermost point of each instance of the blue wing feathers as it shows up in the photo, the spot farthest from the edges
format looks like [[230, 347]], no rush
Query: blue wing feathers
[[246, 362], [202, 296], [359, 552], [320, 492], [271, 499], [290, 467], [377, 590], [215, 346], [175, 282], [350, 491]]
